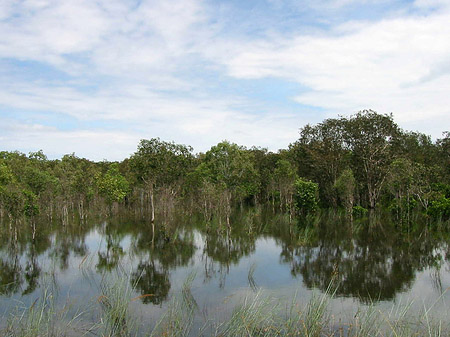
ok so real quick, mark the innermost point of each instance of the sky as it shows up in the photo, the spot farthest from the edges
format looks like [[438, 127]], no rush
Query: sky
[[94, 77]]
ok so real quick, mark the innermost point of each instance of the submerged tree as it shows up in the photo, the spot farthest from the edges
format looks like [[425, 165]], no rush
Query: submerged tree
[[229, 168], [284, 177], [160, 165], [345, 187], [321, 155], [369, 136], [112, 185]]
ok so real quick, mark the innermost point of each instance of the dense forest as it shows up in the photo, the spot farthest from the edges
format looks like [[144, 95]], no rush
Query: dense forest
[[353, 164]]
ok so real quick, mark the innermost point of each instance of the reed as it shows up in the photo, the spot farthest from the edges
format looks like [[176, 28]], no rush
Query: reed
[[255, 316], [179, 317], [43, 318], [117, 292]]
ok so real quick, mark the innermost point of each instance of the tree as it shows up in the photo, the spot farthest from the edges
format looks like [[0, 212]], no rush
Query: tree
[[444, 155], [230, 168], [159, 164], [369, 136], [399, 183], [264, 163], [345, 186], [10, 197], [112, 185], [321, 155], [284, 178]]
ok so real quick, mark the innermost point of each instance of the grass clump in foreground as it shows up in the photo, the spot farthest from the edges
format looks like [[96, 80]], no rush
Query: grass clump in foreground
[[256, 316], [42, 318], [115, 317]]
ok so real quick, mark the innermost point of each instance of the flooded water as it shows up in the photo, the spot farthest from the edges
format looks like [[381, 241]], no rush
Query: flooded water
[[372, 261]]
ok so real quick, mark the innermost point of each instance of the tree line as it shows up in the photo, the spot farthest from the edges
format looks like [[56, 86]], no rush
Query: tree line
[[355, 163]]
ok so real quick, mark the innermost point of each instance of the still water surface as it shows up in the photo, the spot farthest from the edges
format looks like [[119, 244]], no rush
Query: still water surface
[[371, 261]]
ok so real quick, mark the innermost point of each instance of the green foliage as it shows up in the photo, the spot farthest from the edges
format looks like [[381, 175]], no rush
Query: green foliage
[[320, 155], [403, 205], [365, 159], [345, 186], [359, 211], [440, 208], [37, 180], [230, 166], [284, 175], [161, 163], [370, 136], [306, 196], [6, 175], [112, 185], [30, 208]]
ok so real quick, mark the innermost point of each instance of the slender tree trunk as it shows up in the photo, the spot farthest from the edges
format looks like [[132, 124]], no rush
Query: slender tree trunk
[[34, 229], [281, 201], [152, 205], [273, 203], [228, 208], [153, 234], [141, 197]]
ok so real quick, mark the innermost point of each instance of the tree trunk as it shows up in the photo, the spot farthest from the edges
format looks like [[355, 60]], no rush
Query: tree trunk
[[152, 205]]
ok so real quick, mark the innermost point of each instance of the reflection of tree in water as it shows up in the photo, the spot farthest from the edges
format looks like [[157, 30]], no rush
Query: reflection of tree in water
[[171, 249], [225, 248], [20, 253], [151, 280], [11, 276], [167, 250], [109, 259], [16, 276], [64, 245], [19, 274], [374, 268], [32, 271]]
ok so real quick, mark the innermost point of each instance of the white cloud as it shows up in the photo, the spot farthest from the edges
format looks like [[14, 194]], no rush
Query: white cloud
[[398, 65], [48, 30], [432, 4]]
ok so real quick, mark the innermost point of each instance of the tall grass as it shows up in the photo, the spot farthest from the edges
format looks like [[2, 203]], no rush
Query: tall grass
[[179, 317], [252, 318], [43, 318], [255, 316], [115, 318]]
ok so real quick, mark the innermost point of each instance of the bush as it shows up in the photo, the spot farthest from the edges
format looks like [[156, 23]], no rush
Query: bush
[[440, 208], [306, 196], [359, 211]]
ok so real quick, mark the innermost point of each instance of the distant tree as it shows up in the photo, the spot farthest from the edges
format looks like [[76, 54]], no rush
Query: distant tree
[[369, 136], [345, 187], [321, 155], [284, 177], [112, 185], [444, 155], [230, 168], [399, 182], [158, 164], [264, 163]]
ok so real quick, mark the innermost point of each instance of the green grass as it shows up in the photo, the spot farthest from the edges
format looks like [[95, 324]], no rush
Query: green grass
[[43, 318], [256, 315], [115, 317]]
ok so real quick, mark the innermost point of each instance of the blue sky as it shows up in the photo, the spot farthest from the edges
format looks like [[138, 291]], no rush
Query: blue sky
[[95, 77]]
